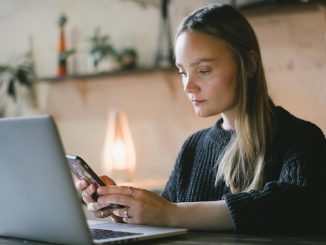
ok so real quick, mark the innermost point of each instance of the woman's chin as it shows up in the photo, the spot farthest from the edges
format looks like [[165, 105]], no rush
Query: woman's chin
[[204, 114], [201, 113]]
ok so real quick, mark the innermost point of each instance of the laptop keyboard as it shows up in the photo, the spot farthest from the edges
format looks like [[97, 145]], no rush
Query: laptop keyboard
[[105, 234]]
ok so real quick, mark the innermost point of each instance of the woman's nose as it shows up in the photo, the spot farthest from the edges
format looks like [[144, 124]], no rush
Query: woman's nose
[[190, 85]]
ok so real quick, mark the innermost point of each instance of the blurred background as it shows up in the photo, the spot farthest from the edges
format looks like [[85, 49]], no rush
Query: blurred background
[[104, 70]]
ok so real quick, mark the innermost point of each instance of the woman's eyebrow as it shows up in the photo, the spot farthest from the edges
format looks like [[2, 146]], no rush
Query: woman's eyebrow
[[201, 60], [197, 62]]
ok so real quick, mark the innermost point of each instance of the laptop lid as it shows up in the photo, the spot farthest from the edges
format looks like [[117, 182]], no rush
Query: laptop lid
[[41, 200]]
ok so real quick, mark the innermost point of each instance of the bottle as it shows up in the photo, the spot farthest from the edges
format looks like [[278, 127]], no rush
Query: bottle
[[62, 59]]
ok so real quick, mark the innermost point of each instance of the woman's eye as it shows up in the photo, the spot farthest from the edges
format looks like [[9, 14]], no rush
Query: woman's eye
[[203, 72]]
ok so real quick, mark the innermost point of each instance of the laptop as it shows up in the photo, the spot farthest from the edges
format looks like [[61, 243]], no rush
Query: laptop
[[39, 200]]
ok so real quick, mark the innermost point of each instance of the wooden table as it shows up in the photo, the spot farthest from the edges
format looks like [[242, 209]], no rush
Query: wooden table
[[199, 238]]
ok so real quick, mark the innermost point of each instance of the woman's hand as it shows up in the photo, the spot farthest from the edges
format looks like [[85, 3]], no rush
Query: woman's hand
[[89, 195], [147, 208], [140, 206]]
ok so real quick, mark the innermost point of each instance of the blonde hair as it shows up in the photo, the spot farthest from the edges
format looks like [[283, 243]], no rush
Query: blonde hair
[[242, 163]]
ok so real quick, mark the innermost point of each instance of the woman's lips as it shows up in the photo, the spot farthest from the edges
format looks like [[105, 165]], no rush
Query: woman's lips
[[197, 102]]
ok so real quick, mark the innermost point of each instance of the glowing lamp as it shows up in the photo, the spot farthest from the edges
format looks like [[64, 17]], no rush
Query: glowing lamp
[[119, 157]]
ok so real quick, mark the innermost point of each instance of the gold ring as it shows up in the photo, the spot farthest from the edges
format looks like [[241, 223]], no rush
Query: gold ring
[[130, 189]]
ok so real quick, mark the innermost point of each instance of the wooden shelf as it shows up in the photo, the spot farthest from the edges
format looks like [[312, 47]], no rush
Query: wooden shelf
[[137, 71]]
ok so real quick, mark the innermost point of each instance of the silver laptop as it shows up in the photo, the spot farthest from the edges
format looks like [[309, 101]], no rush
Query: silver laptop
[[38, 197]]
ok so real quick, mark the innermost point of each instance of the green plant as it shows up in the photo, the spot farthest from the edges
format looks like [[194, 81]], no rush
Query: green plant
[[100, 47], [128, 58], [12, 74], [16, 93]]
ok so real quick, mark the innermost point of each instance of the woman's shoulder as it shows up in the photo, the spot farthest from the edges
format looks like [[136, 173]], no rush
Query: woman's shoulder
[[296, 126], [300, 146], [297, 133]]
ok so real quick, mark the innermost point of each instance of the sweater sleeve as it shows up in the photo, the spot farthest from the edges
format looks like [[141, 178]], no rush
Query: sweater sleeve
[[171, 188], [182, 169], [295, 203]]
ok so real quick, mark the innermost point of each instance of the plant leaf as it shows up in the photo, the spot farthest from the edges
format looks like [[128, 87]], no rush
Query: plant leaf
[[11, 89], [22, 77]]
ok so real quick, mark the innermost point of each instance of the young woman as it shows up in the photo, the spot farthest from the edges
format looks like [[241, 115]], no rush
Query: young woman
[[259, 169]]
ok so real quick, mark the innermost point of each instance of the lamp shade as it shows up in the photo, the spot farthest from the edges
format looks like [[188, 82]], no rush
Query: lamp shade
[[119, 157]]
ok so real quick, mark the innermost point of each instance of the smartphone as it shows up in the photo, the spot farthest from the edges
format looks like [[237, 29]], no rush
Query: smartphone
[[81, 170]]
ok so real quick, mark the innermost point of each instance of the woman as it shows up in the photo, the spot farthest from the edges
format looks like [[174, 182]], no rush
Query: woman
[[258, 170]]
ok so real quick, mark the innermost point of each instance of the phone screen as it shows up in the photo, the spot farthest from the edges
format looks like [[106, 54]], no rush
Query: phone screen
[[81, 170]]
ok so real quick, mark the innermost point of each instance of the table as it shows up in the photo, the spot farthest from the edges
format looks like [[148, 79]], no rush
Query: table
[[199, 238]]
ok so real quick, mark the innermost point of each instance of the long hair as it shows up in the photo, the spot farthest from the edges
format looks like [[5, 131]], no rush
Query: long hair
[[242, 163]]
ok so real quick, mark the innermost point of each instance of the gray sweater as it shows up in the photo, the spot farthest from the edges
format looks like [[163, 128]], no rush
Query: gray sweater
[[292, 199]]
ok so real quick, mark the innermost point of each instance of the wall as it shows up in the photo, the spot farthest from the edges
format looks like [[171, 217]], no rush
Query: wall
[[33, 25], [293, 50], [293, 45]]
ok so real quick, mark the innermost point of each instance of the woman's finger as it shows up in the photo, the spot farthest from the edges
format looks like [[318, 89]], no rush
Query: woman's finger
[[94, 206], [122, 190], [124, 200], [122, 212], [102, 213], [107, 180], [115, 218], [81, 184], [126, 215], [88, 194]]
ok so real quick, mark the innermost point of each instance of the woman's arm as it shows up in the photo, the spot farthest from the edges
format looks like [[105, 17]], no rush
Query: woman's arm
[[145, 207], [212, 215]]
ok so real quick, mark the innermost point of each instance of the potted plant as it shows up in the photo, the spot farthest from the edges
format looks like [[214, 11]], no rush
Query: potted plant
[[102, 52], [16, 97], [105, 57]]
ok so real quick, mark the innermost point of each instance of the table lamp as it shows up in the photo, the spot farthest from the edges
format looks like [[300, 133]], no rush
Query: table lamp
[[119, 157]]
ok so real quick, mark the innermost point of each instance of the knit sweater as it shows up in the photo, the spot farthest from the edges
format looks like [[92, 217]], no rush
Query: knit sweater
[[292, 199]]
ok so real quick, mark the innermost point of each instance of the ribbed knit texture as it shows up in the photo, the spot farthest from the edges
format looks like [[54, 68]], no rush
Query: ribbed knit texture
[[293, 198]]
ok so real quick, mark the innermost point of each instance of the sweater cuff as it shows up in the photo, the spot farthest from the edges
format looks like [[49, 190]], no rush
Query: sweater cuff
[[238, 205]]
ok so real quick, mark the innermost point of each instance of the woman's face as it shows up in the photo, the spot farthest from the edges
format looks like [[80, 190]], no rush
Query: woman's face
[[209, 72]]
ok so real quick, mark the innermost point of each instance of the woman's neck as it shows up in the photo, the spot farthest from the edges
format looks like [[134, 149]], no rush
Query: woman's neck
[[228, 121]]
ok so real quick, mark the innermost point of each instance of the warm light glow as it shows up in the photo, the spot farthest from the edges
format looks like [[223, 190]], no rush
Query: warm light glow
[[119, 158], [119, 155]]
